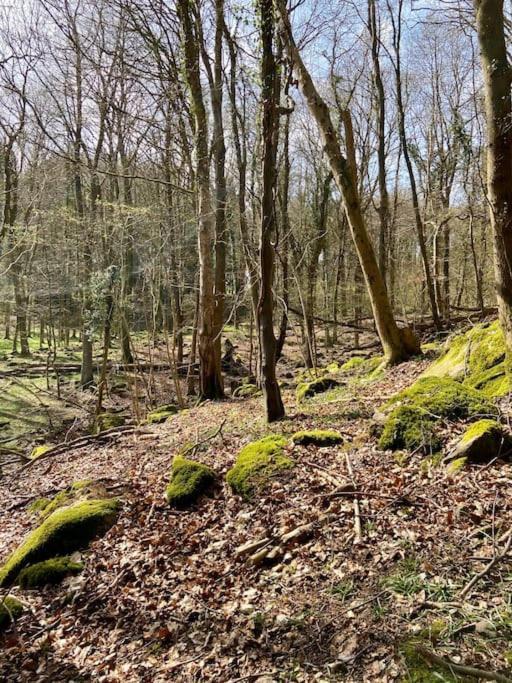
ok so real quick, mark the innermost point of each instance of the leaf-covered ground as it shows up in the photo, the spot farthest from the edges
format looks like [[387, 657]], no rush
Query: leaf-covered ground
[[165, 597]]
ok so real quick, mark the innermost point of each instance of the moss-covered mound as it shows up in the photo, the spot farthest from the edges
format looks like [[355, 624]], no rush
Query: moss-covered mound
[[10, 610], [106, 421], [247, 391], [317, 437], [48, 572], [64, 531], [189, 480], [257, 463], [483, 441], [77, 490], [364, 368], [477, 358], [415, 412], [317, 386], [161, 414]]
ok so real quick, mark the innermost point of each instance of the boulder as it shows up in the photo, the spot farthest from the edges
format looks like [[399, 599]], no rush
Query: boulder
[[482, 442]]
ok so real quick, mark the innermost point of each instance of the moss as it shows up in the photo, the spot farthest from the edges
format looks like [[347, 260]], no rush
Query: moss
[[407, 427], [161, 414], [477, 358], [189, 481], [39, 505], [364, 368], [457, 465], [317, 437], [10, 610], [64, 531], [106, 421], [412, 422], [256, 463], [483, 441], [38, 451], [317, 386], [418, 669], [48, 572], [78, 489], [246, 391]]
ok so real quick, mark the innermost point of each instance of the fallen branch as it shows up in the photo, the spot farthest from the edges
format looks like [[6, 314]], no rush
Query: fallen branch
[[193, 448], [487, 568], [82, 441], [460, 669]]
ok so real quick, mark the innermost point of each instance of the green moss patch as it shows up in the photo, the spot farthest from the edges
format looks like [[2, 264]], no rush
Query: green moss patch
[[77, 490], [483, 441], [317, 386], [477, 358], [48, 572], [10, 610], [247, 391], [257, 463], [106, 421], [161, 414], [38, 451], [189, 481], [417, 410], [317, 437], [64, 531]]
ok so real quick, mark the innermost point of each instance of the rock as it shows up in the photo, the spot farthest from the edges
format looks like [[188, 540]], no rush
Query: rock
[[106, 421], [48, 572], [483, 441], [317, 437], [189, 481], [257, 463], [476, 358], [414, 413], [162, 413], [10, 610], [64, 531], [317, 386]]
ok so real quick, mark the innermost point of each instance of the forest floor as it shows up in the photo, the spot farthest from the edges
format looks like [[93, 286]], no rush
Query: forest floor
[[164, 596]]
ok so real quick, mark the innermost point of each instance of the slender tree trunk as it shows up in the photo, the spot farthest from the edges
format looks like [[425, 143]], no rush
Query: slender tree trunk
[[211, 386], [397, 345], [498, 105], [270, 125]]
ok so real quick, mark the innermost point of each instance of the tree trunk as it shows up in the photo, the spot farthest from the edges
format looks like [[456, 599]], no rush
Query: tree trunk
[[210, 377], [270, 125], [397, 346], [498, 105]]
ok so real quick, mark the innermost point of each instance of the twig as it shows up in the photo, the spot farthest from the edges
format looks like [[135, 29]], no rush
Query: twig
[[357, 510], [461, 669], [81, 441], [201, 442], [487, 568]]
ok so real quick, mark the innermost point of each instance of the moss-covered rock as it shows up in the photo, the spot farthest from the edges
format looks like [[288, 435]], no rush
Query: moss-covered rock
[[189, 480], [48, 572], [410, 428], [247, 391], [483, 441], [161, 414], [106, 421], [477, 358], [64, 531], [10, 610], [456, 465], [77, 490], [416, 411], [317, 386], [257, 463], [317, 437]]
